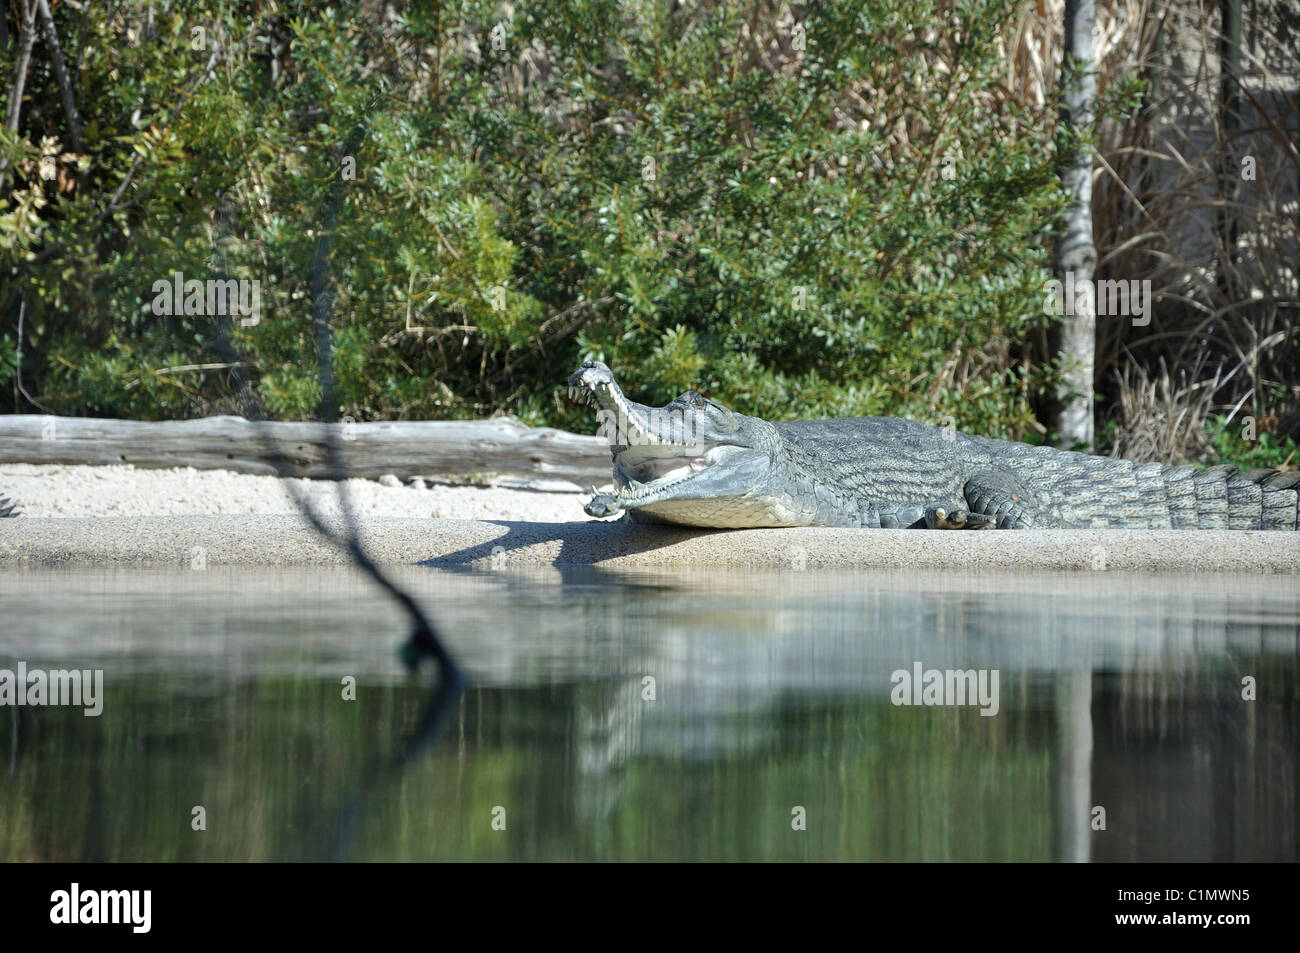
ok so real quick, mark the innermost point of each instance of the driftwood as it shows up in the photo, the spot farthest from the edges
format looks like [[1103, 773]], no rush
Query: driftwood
[[402, 448]]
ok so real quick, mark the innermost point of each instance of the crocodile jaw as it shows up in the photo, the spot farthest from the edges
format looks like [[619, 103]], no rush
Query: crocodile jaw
[[728, 512], [659, 459], [651, 456]]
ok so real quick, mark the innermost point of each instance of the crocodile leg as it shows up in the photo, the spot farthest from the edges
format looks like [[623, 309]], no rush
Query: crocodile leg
[[947, 517], [602, 505], [607, 504], [1000, 498]]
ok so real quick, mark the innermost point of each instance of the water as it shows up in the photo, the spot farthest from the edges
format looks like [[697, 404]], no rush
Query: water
[[771, 703]]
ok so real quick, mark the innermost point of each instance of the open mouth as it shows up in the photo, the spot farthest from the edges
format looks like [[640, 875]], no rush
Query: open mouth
[[644, 470], [647, 461]]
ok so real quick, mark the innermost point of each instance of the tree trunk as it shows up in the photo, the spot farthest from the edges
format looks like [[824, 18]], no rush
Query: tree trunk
[[26, 36], [404, 448], [1076, 256], [61, 75], [1230, 155]]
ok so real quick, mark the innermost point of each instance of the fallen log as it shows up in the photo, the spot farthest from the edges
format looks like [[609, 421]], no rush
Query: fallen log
[[403, 448]]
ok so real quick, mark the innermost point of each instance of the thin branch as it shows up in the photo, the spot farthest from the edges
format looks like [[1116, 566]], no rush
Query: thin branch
[[26, 37], [18, 360], [61, 75]]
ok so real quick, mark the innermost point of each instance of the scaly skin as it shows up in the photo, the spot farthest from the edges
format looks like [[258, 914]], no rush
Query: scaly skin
[[694, 462]]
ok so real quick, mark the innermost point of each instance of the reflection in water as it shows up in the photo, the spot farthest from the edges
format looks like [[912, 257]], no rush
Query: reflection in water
[[662, 717]]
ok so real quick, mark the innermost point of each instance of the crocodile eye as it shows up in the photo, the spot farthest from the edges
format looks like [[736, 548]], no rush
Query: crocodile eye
[[693, 397]]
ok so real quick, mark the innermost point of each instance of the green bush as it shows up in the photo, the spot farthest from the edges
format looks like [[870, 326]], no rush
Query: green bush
[[850, 227], [1266, 450]]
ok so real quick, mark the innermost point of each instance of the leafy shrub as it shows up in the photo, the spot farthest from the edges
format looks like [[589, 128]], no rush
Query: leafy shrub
[[829, 213]]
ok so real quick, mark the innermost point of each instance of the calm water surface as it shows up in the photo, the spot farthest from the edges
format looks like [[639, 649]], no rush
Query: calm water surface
[[660, 717]]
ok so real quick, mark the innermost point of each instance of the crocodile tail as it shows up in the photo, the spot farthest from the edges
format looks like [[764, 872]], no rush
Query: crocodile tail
[[1224, 497], [1085, 490], [1279, 498]]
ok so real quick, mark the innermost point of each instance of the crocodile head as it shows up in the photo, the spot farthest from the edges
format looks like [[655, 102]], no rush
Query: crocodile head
[[692, 461]]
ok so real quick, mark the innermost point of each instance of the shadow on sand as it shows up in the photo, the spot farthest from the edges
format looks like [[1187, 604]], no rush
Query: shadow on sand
[[572, 543]]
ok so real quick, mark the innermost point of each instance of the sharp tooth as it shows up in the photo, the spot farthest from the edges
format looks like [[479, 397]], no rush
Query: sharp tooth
[[636, 485]]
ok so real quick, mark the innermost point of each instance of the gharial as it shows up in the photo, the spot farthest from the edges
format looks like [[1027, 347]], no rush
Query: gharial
[[696, 463]]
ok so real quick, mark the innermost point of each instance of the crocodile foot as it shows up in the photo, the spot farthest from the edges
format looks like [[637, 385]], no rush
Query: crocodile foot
[[940, 517], [602, 505]]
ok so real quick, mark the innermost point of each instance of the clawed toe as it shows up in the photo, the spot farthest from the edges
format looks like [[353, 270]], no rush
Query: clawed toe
[[940, 517], [602, 505]]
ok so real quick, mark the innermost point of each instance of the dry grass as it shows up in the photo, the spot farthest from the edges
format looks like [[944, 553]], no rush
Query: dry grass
[[1160, 421], [1170, 205]]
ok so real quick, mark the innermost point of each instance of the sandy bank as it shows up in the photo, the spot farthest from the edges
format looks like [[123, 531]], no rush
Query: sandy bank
[[202, 541]]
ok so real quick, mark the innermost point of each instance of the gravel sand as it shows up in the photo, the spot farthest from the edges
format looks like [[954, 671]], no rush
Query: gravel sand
[[201, 542], [61, 490]]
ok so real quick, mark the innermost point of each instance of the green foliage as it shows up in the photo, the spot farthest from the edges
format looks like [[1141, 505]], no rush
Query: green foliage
[[1266, 450], [850, 227]]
